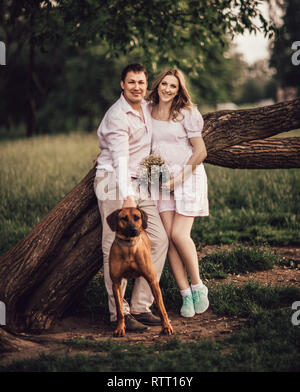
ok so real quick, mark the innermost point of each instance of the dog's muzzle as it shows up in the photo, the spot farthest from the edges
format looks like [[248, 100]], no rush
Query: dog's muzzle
[[131, 231]]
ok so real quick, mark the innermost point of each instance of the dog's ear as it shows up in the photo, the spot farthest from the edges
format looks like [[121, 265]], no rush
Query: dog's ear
[[144, 219], [112, 219]]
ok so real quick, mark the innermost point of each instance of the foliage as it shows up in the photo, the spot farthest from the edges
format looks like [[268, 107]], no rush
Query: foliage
[[255, 83], [64, 57], [287, 74], [157, 26]]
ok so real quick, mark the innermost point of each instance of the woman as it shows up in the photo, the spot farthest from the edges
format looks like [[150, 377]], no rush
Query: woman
[[177, 126]]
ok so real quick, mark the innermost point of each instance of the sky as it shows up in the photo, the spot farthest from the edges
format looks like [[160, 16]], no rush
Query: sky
[[254, 46]]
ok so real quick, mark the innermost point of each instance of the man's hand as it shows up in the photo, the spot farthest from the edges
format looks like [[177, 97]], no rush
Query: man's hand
[[129, 202]]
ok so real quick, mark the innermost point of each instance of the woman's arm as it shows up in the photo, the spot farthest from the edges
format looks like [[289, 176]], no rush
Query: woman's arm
[[199, 155]]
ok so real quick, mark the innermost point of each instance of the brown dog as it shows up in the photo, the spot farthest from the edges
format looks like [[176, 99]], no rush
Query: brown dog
[[130, 258]]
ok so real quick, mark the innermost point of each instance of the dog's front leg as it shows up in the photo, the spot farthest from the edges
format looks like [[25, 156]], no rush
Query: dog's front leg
[[166, 325], [117, 290]]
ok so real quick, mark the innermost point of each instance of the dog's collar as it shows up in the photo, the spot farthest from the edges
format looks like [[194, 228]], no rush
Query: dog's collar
[[128, 244]]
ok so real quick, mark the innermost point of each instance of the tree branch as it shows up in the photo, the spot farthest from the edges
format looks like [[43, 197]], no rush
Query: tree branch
[[275, 153], [227, 128]]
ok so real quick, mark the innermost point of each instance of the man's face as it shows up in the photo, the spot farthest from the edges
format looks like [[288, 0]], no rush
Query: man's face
[[134, 87]]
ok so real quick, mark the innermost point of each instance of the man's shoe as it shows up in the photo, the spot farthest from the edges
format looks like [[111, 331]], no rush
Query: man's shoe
[[200, 299], [131, 324], [148, 318]]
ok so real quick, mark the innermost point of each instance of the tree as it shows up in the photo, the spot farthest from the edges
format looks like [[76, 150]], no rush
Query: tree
[[22, 25], [287, 73], [163, 29], [255, 84], [42, 273], [42, 36]]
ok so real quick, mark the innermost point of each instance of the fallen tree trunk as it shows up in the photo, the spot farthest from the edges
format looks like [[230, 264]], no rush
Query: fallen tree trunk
[[273, 153], [8, 342], [225, 128], [42, 274]]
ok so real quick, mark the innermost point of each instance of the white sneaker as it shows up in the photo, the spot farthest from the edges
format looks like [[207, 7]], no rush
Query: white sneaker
[[187, 309], [200, 299]]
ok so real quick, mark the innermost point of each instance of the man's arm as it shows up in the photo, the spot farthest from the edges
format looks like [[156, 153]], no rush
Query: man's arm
[[117, 140]]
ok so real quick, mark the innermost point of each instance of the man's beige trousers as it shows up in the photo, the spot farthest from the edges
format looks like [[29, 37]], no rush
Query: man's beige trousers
[[141, 298]]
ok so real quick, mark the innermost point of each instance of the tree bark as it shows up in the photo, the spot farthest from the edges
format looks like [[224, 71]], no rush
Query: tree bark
[[8, 342], [42, 273], [226, 128], [273, 153]]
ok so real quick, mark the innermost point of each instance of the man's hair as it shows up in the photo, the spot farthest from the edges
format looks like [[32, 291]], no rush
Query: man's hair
[[134, 68]]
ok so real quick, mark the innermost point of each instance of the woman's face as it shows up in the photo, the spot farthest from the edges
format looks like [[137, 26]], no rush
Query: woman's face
[[168, 88]]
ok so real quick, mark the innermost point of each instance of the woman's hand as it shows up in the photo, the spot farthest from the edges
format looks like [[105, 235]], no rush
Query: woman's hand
[[199, 155], [169, 185]]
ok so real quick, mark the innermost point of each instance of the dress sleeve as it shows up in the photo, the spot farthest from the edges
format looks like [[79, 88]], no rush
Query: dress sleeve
[[193, 123]]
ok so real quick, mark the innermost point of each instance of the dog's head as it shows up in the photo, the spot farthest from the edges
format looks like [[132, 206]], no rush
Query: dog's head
[[128, 221]]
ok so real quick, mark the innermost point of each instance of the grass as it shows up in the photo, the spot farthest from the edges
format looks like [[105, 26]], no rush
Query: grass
[[250, 299], [239, 259], [267, 341], [249, 208], [252, 205], [35, 174]]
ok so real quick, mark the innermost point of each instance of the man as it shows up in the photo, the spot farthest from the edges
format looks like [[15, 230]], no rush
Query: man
[[125, 140]]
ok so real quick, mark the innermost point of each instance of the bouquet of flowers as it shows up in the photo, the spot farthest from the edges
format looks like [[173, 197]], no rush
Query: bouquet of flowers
[[152, 170]]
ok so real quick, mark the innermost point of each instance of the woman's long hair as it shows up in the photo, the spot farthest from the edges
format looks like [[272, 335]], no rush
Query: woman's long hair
[[182, 99]]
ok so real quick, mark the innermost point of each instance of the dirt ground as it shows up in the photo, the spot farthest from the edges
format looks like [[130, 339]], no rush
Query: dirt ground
[[205, 326]]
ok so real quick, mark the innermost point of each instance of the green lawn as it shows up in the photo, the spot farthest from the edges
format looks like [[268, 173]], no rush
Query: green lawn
[[35, 174], [256, 206], [267, 342]]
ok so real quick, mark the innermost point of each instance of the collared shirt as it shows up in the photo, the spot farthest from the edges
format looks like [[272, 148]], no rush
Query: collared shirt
[[124, 140]]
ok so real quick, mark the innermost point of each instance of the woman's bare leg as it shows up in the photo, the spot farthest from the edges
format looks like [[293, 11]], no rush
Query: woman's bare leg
[[186, 249], [177, 266]]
